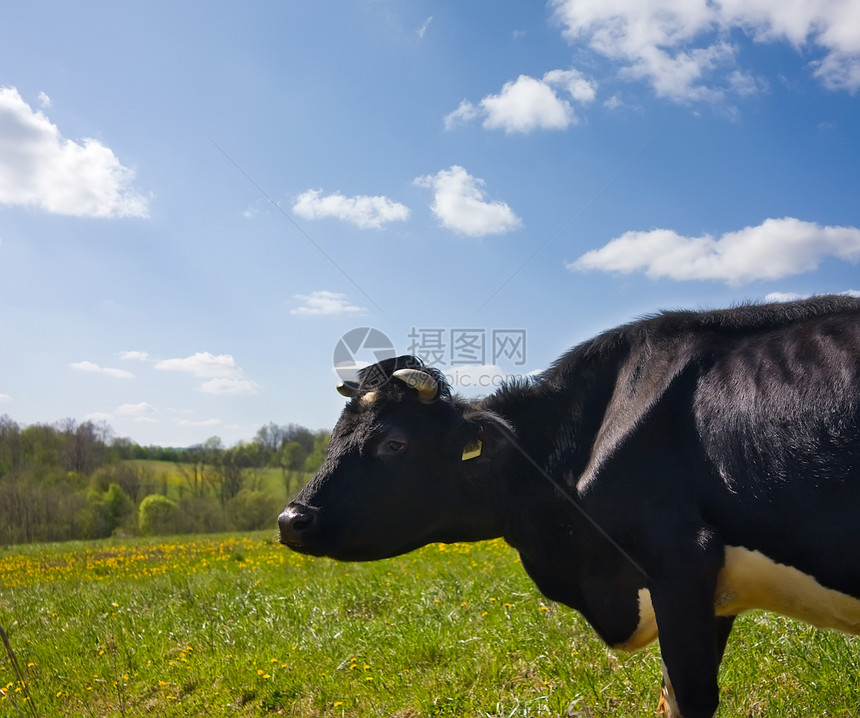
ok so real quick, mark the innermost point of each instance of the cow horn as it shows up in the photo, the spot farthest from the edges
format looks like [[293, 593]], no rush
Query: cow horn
[[422, 382], [347, 388]]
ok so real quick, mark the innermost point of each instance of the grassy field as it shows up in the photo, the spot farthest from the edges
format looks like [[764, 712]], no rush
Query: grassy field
[[235, 625]]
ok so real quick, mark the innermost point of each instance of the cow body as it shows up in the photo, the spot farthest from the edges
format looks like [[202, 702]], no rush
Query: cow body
[[660, 478]]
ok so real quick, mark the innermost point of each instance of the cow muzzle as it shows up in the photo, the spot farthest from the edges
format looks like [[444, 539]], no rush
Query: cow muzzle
[[295, 524]]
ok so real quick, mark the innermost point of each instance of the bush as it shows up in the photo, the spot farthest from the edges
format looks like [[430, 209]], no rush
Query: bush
[[252, 510], [202, 514], [157, 515], [104, 512]]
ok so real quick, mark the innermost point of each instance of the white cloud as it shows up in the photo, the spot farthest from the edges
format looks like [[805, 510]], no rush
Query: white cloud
[[573, 82], [134, 356], [91, 367], [135, 410], [39, 168], [613, 103], [202, 423], [527, 104], [99, 416], [774, 249], [685, 49], [251, 212], [783, 297], [423, 29], [460, 206], [227, 385], [324, 303], [4, 398], [203, 365], [791, 296], [466, 112], [44, 100], [222, 373], [362, 211]]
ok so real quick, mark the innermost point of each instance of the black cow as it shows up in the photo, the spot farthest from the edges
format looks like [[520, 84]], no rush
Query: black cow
[[664, 476]]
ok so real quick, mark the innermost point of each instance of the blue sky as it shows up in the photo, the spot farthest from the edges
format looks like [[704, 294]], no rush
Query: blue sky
[[198, 200]]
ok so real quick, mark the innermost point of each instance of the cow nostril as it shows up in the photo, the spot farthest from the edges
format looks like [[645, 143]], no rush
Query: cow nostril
[[293, 523], [300, 523]]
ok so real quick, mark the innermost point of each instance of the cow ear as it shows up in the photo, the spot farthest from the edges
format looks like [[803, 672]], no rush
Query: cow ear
[[480, 437]]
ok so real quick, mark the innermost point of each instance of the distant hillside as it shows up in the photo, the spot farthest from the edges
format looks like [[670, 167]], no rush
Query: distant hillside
[[68, 481]]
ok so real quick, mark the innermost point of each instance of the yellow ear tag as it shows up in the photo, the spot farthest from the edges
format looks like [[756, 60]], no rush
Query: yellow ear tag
[[472, 451]]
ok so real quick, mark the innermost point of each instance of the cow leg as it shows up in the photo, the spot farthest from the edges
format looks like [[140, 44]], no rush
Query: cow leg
[[682, 592], [687, 647], [668, 705], [724, 628]]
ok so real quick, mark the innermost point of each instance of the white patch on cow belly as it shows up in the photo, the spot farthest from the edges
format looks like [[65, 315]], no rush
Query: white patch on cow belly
[[646, 630], [749, 579]]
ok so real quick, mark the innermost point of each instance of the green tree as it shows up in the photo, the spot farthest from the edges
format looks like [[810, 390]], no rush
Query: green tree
[[41, 445], [317, 456], [105, 511], [157, 515], [117, 505], [270, 438], [291, 459], [226, 476], [10, 446]]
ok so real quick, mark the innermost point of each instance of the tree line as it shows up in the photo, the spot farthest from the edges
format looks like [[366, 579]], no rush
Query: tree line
[[71, 480]]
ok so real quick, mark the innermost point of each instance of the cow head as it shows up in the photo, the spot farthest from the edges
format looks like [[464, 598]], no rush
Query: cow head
[[408, 464]]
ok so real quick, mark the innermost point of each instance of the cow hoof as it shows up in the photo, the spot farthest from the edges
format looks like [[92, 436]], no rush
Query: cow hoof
[[668, 706]]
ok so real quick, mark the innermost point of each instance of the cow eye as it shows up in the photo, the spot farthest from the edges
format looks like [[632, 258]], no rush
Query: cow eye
[[393, 446]]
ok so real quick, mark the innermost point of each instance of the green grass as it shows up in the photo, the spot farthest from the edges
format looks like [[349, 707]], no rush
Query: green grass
[[232, 625]]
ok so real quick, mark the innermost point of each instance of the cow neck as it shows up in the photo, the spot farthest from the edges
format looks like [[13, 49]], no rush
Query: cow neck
[[555, 420]]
